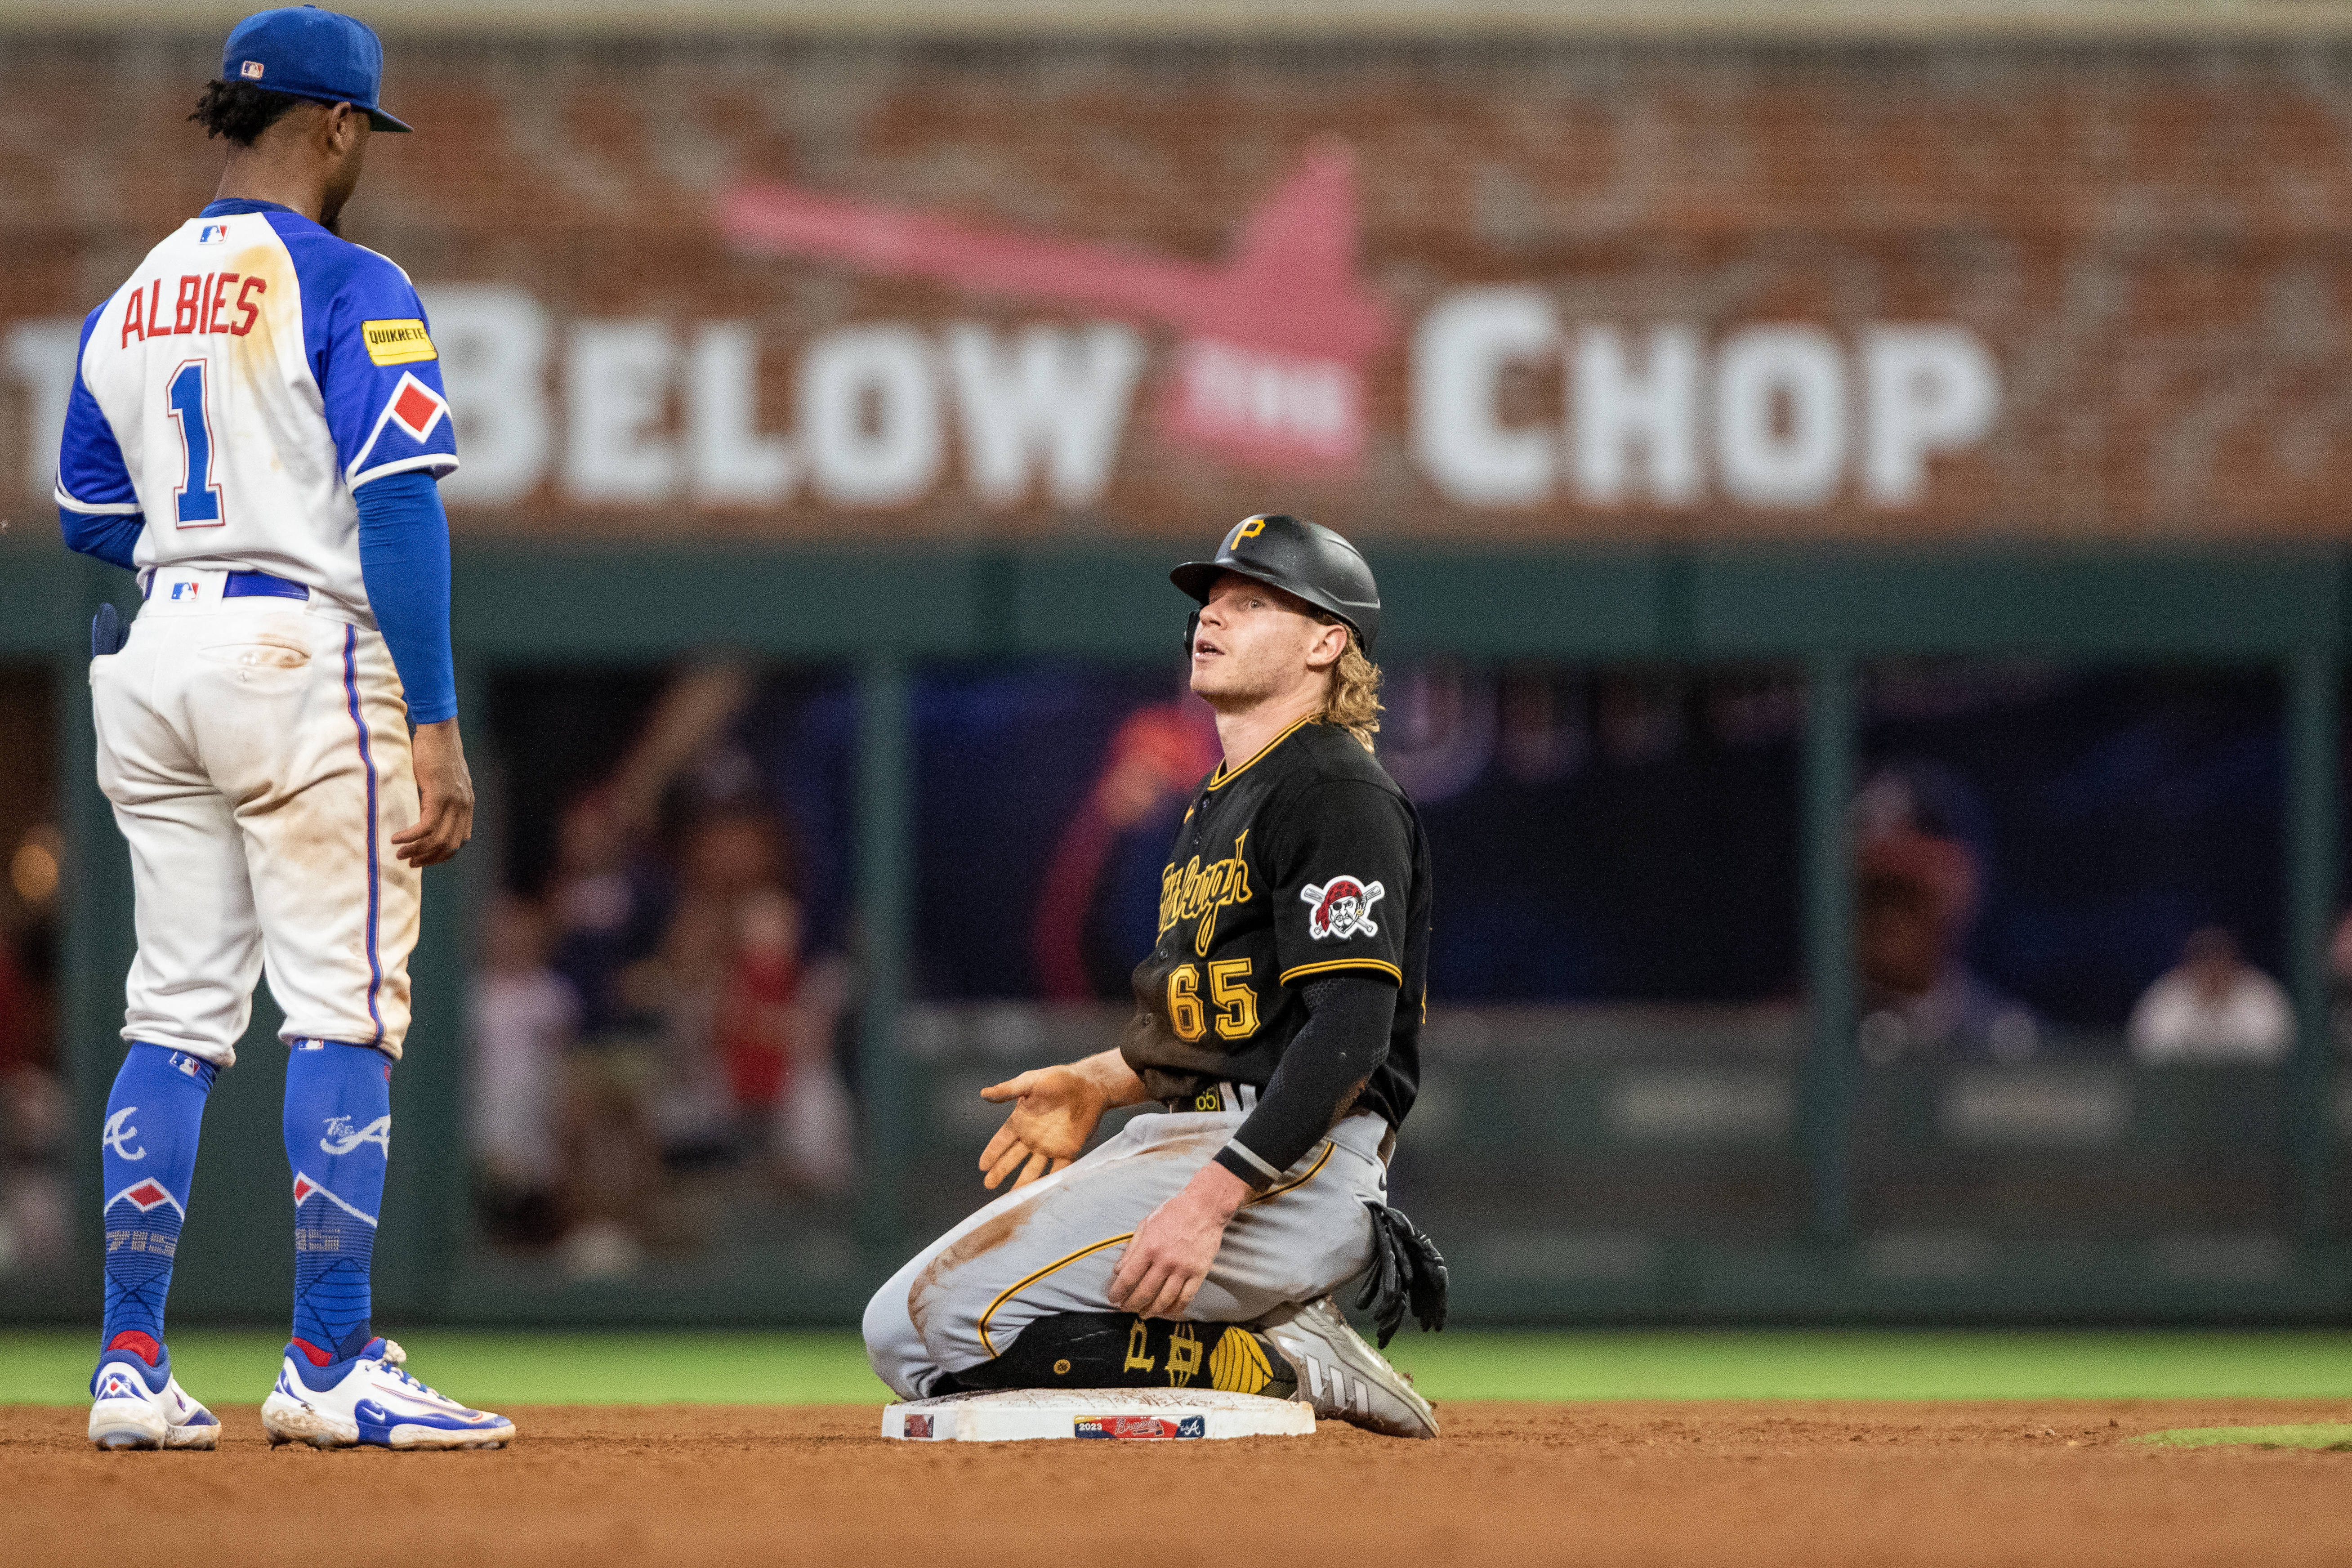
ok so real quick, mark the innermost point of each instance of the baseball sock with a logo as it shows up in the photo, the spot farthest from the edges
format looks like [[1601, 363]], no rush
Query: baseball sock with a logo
[[148, 1153], [337, 1138]]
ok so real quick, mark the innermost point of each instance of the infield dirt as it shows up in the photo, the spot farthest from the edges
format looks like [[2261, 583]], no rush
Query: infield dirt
[[1681, 1484]]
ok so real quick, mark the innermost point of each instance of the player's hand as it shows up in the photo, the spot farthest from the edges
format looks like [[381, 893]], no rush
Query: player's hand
[[445, 797], [1163, 1267], [1054, 1113]]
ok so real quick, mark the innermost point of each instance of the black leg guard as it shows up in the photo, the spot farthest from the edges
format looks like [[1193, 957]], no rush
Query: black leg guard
[[1120, 1350]]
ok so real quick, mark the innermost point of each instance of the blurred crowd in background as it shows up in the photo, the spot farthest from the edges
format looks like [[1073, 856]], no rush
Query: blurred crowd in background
[[2047, 865], [34, 1108], [652, 994]]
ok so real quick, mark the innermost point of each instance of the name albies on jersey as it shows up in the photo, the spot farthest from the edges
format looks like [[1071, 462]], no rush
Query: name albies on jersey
[[1305, 861], [251, 373]]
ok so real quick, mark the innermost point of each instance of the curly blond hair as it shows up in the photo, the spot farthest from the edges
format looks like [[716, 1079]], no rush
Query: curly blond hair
[[1353, 703]]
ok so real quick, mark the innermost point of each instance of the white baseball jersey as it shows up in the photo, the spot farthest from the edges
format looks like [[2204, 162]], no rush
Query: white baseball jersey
[[251, 373]]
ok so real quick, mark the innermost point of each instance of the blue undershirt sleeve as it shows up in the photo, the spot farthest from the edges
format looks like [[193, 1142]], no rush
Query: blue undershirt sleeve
[[111, 537], [405, 562]]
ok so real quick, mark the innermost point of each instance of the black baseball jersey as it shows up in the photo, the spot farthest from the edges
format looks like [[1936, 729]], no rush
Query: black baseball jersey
[[1307, 860]]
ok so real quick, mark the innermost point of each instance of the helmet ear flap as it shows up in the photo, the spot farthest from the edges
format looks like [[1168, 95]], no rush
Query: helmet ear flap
[[1191, 628]]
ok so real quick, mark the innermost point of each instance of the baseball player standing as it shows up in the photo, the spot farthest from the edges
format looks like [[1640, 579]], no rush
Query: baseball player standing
[[255, 427], [1277, 1022]]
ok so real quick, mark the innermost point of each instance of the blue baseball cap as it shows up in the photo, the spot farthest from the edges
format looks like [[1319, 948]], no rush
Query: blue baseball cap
[[310, 53]]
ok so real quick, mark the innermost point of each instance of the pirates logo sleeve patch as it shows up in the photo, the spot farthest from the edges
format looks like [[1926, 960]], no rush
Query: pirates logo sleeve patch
[[1343, 908]]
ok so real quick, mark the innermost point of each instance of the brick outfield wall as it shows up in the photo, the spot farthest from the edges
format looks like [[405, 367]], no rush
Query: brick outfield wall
[[1677, 284]]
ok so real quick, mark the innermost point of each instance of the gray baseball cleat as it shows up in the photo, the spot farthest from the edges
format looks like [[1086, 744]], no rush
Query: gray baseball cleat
[[1343, 1376]]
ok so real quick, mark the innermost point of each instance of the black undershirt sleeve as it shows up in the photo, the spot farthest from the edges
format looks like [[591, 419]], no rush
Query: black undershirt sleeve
[[1348, 1015]]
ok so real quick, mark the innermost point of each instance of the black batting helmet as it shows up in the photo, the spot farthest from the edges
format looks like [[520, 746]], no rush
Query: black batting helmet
[[1298, 557]]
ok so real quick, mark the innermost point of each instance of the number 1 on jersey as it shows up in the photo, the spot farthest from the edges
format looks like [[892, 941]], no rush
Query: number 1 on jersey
[[196, 497]]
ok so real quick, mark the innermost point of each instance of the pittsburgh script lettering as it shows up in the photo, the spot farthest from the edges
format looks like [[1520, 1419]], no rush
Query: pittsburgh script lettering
[[1194, 891]]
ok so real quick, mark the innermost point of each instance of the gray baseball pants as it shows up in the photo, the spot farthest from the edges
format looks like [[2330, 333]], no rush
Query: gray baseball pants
[[1052, 1246]]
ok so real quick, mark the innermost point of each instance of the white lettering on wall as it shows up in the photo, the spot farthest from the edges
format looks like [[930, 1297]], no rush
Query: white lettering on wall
[[733, 464], [871, 414], [1460, 353], [1619, 414], [1779, 415], [651, 413], [41, 358], [617, 390], [1927, 389], [1051, 395], [1773, 415], [493, 340]]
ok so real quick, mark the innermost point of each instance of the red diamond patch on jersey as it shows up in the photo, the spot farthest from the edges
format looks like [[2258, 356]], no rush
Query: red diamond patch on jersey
[[416, 408], [147, 1195]]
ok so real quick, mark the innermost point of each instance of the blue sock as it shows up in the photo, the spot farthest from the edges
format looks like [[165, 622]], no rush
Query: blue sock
[[337, 1138], [149, 1154]]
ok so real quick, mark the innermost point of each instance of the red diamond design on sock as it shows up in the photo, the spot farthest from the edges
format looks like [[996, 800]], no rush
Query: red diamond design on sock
[[415, 409], [303, 1187], [147, 1195]]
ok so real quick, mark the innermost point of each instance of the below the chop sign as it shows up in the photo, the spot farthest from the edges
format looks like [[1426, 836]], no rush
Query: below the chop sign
[[1762, 415], [640, 412]]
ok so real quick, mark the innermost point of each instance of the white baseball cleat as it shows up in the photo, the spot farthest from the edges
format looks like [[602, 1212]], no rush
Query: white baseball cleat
[[369, 1399], [1343, 1376], [136, 1403]]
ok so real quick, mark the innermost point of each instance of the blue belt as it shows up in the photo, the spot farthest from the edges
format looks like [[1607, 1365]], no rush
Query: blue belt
[[253, 585]]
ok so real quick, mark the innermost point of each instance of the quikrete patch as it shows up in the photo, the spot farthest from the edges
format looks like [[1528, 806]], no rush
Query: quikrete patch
[[398, 342]]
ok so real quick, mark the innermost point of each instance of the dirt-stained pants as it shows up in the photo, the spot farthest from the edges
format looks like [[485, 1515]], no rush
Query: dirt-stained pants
[[1052, 1246], [256, 753]]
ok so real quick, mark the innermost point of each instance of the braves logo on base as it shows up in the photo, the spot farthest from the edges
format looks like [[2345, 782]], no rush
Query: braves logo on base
[[1139, 1429], [1343, 908]]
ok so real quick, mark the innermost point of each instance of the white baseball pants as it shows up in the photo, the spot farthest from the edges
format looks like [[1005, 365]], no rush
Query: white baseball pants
[[256, 753]]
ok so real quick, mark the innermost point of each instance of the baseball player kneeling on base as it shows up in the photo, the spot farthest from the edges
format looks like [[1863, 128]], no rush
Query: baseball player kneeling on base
[[1277, 1024], [255, 427]]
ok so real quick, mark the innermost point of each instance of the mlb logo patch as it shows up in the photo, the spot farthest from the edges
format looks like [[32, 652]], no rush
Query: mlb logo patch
[[251, 70], [212, 233], [417, 408], [185, 590]]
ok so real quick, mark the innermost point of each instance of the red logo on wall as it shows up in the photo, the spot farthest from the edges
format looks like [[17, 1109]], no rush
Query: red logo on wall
[[1270, 371]]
